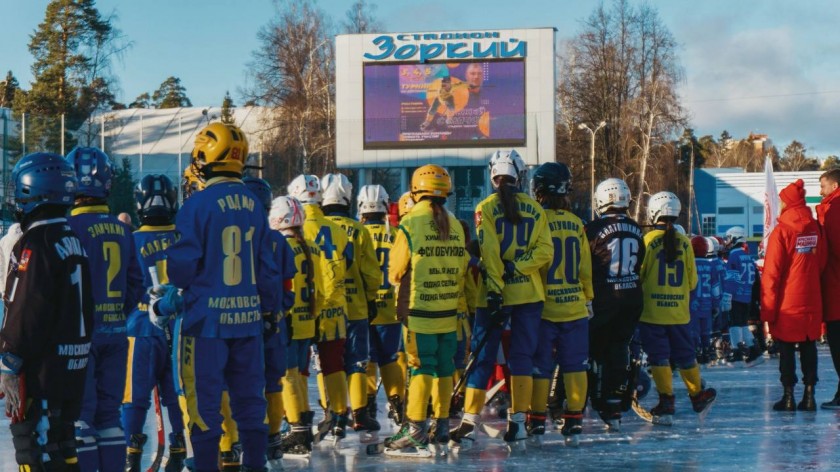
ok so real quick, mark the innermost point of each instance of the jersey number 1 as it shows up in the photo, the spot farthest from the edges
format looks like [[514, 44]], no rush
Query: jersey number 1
[[231, 247]]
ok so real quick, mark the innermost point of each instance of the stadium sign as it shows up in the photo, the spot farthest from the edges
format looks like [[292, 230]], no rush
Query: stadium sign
[[423, 47]]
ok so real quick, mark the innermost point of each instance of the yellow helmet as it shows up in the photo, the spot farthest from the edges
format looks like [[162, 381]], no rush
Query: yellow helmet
[[219, 148], [430, 181], [191, 184], [405, 204]]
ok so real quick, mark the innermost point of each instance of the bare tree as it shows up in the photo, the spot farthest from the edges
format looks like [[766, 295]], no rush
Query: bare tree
[[361, 18], [794, 158]]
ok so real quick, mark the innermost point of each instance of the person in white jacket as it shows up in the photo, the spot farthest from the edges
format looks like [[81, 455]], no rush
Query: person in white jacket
[[7, 243]]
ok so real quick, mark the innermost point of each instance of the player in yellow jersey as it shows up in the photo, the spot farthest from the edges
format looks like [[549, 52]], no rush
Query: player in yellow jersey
[[361, 285], [429, 261], [385, 328], [515, 243], [668, 276], [564, 329], [286, 216], [330, 337]]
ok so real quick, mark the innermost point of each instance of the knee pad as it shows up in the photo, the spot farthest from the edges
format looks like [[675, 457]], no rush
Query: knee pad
[[25, 441]]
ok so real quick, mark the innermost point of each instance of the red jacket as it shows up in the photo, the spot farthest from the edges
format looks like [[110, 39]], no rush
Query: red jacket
[[828, 214], [791, 301]]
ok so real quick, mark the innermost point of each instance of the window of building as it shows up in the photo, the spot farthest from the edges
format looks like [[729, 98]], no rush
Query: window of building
[[708, 224], [757, 210], [731, 210], [758, 231]]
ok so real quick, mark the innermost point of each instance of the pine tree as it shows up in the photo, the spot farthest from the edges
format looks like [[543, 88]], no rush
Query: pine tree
[[171, 94], [8, 87], [142, 101], [121, 198], [227, 110]]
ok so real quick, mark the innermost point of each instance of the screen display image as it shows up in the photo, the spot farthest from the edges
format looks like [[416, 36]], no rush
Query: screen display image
[[444, 105]]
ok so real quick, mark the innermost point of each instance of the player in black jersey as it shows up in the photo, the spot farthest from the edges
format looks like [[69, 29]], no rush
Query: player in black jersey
[[617, 249], [45, 339]]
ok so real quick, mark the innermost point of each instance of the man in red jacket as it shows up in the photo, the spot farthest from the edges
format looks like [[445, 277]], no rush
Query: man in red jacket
[[791, 301], [828, 214]]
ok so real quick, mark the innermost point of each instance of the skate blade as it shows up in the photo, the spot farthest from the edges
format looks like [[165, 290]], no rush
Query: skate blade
[[411, 453], [535, 440], [613, 426], [275, 465], [439, 449], [465, 445], [701, 416], [516, 446], [664, 420], [375, 449], [367, 437], [572, 440], [297, 457], [757, 361]]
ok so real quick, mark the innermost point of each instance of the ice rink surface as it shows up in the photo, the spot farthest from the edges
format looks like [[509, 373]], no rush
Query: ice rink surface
[[741, 433]]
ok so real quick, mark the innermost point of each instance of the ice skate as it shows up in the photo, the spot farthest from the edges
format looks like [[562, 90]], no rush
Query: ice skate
[[177, 453], [372, 408], [572, 427], [536, 428], [755, 357], [274, 452], [516, 433], [439, 436], [663, 412], [298, 443], [366, 426], [463, 437], [231, 461], [611, 415], [786, 403], [834, 404], [703, 401], [411, 441], [339, 430], [324, 427], [134, 452], [396, 409]]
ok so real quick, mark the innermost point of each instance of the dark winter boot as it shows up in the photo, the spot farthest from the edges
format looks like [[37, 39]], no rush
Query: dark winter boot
[[134, 452], [412, 435], [396, 409], [833, 404], [536, 423], [808, 403], [663, 412], [572, 426], [363, 422], [703, 400], [177, 453], [232, 460], [439, 431], [786, 403]]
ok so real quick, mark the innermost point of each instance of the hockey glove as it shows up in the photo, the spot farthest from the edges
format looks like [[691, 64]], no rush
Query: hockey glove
[[510, 271], [165, 301], [589, 312], [270, 321], [496, 314], [12, 386], [372, 312]]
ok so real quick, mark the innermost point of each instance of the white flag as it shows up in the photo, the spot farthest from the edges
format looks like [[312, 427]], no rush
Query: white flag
[[771, 201]]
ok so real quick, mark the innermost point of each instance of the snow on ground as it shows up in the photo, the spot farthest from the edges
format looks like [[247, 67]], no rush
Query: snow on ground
[[741, 433]]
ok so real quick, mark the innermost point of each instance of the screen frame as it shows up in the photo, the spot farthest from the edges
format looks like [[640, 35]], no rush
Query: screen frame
[[447, 144]]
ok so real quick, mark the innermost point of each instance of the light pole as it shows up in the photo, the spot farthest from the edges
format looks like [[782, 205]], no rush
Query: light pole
[[592, 161]]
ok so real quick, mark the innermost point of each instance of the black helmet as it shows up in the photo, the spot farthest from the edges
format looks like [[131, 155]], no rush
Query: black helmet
[[156, 197], [552, 178], [260, 189]]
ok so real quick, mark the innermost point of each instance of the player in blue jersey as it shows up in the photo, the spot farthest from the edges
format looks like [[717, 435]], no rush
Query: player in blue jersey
[[149, 346], [229, 291], [705, 298], [117, 288], [740, 276]]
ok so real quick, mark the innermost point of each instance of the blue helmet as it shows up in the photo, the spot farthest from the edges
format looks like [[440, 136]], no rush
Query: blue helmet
[[156, 197], [42, 178], [93, 171], [260, 189]]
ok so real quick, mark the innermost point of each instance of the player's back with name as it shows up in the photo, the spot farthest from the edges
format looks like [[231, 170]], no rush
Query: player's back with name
[[618, 249], [49, 316]]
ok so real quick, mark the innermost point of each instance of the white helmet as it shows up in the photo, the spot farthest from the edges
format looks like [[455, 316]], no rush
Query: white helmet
[[735, 235], [285, 213], [373, 199], [680, 229], [306, 188], [337, 190], [507, 163], [712, 247], [663, 204], [612, 193]]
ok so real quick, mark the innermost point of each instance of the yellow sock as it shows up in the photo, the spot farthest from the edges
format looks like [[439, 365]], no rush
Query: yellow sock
[[336, 386], [419, 391], [275, 411], [322, 390], [357, 386], [435, 396], [372, 379], [302, 386], [576, 384], [520, 392], [402, 361], [231, 434], [539, 395], [691, 378], [393, 379], [457, 377], [440, 405], [290, 396], [474, 400], [663, 378]]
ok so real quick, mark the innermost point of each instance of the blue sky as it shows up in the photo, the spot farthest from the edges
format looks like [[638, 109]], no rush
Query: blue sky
[[766, 66]]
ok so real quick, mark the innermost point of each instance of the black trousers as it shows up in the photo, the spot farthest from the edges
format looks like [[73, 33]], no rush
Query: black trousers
[[807, 359], [832, 333], [610, 332]]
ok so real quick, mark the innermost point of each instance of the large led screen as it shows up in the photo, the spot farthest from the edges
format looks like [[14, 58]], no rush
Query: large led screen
[[444, 105]]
